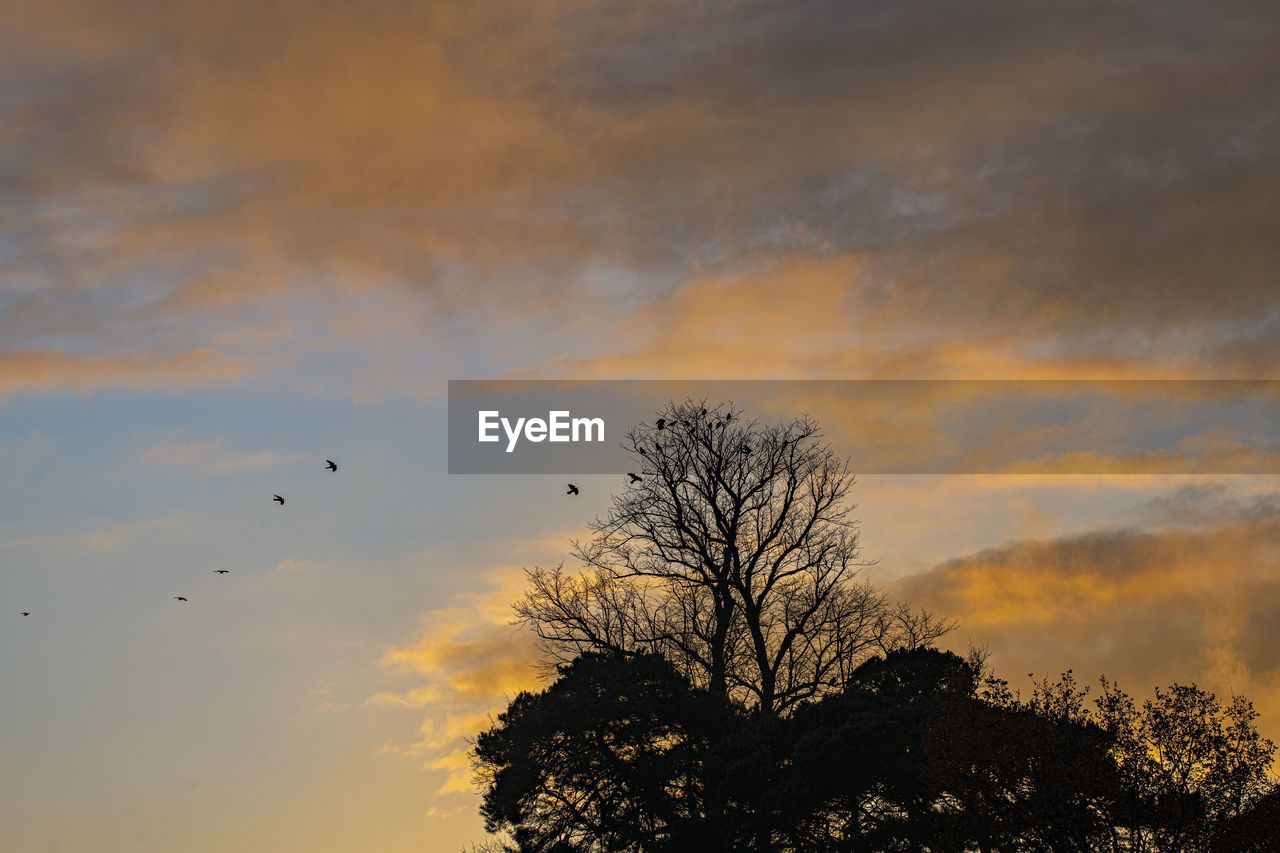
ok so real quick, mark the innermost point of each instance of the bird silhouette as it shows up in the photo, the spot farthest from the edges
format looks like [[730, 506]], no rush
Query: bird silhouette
[[221, 571], [661, 424], [744, 449], [573, 490], [179, 598], [278, 499], [635, 478], [26, 613], [331, 465]]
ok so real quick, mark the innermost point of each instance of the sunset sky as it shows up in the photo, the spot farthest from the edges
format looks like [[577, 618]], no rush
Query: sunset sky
[[239, 238]]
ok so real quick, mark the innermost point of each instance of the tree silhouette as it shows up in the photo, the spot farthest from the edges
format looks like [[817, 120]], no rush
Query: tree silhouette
[[1254, 829], [916, 752], [609, 758], [1190, 766], [727, 681], [913, 756], [736, 558]]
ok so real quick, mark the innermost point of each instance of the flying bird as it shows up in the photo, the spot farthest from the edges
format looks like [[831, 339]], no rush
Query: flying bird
[[661, 424], [279, 500], [26, 613], [180, 598], [221, 571], [573, 490], [331, 465], [635, 478]]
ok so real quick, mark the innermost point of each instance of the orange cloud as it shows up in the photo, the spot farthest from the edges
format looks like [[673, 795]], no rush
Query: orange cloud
[[473, 660], [28, 370], [1146, 608], [851, 316], [849, 197]]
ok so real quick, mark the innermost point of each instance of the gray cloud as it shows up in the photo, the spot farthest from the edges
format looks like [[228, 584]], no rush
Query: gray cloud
[[1207, 505], [1074, 184]]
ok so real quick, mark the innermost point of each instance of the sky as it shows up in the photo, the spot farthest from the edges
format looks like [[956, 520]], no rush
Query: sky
[[238, 239]]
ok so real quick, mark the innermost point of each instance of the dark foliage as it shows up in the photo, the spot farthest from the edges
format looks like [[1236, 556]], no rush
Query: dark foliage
[[611, 757], [917, 752]]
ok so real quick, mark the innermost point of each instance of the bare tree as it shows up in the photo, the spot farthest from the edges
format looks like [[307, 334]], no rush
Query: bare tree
[[734, 556]]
